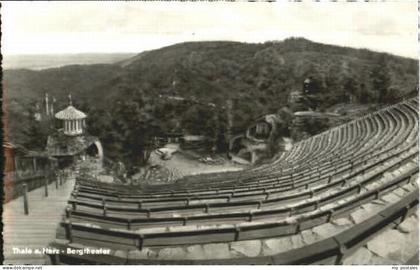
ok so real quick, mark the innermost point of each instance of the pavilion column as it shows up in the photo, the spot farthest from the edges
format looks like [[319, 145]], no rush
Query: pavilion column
[[34, 163]]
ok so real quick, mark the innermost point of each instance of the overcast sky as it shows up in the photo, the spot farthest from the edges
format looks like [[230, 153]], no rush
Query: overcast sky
[[77, 27]]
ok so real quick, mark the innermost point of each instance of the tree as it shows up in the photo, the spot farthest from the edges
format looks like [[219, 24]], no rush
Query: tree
[[200, 120], [363, 94], [35, 132], [350, 87], [127, 129], [380, 78]]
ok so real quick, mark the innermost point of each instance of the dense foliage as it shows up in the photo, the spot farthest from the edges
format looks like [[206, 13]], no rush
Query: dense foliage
[[185, 87]]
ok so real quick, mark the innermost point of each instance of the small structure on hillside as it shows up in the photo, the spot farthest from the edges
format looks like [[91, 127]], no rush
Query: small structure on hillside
[[23, 162], [195, 142], [294, 96], [174, 136], [305, 98], [23, 166], [261, 129], [71, 142], [254, 143]]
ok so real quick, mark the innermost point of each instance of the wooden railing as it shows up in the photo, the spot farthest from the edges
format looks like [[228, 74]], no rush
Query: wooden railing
[[15, 186]]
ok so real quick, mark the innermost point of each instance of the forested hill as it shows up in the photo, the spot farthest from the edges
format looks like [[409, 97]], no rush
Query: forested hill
[[212, 70], [257, 76]]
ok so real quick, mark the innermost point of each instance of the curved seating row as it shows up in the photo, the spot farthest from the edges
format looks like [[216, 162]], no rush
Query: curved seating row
[[324, 177]]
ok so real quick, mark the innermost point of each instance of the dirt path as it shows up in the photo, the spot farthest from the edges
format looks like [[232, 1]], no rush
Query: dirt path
[[182, 165]]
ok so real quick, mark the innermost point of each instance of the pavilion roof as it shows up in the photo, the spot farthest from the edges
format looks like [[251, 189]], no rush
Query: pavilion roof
[[70, 113]]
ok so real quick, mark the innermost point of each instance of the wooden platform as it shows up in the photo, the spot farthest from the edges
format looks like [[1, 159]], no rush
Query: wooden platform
[[38, 229]]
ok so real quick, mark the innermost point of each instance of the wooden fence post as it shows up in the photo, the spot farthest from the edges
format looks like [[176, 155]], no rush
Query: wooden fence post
[[46, 186], [104, 206], [68, 212], [69, 235], [55, 259], [140, 241], [25, 199]]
